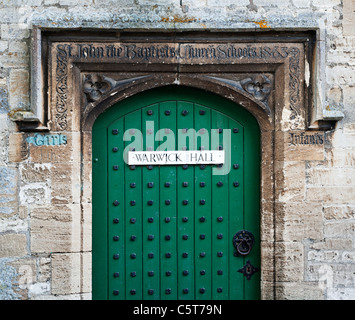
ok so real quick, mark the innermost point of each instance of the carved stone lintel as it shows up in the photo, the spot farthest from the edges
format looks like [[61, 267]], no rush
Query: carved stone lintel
[[258, 87], [96, 86]]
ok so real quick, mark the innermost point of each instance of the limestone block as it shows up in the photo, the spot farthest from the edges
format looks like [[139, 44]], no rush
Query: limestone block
[[299, 221], [298, 291], [330, 194], [13, 245], [331, 176], [339, 212], [19, 97], [290, 181], [340, 229], [55, 229], [66, 273], [300, 145], [289, 261]]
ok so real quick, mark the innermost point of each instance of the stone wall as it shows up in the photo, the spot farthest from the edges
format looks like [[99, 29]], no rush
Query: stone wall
[[40, 191]]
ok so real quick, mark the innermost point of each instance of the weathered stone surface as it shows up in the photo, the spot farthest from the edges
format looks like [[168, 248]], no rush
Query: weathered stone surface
[[13, 245], [66, 270], [55, 229]]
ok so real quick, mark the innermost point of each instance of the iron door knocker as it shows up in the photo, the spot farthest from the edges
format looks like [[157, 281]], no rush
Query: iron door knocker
[[243, 242]]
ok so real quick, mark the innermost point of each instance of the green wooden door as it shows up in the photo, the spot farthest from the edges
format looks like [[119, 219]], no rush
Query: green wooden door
[[166, 232]]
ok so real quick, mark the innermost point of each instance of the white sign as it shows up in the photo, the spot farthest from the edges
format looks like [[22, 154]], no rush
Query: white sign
[[175, 157]]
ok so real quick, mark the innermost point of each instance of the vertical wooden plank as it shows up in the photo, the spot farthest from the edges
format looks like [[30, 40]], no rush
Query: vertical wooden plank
[[168, 227], [116, 218], [150, 204], [203, 218], [220, 208], [185, 211], [100, 254], [236, 208], [252, 205], [133, 204]]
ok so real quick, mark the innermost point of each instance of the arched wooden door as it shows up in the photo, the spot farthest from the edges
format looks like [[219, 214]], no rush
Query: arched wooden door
[[176, 232]]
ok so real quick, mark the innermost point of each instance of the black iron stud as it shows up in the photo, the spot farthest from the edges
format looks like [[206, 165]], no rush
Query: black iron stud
[[202, 166], [185, 237], [202, 236], [150, 202], [150, 219], [133, 292], [185, 291], [150, 167], [202, 219], [116, 220], [150, 291], [184, 255], [133, 255], [150, 255], [202, 184], [150, 273], [149, 112], [185, 166], [202, 254], [167, 219], [133, 185], [202, 201], [220, 147], [168, 273], [167, 112], [116, 274], [150, 237], [219, 183], [133, 203], [219, 254], [185, 219], [185, 272], [185, 202], [184, 112], [167, 237], [235, 130], [116, 203], [202, 112], [115, 292], [132, 167], [236, 184], [116, 256], [167, 202], [202, 272], [219, 236], [150, 184], [115, 167], [133, 238], [133, 220], [220, 219], [202, 290], [219, 272], [235, 166], [133, 274], [168, 255], [116, 238], [168, 291], [219, 290], [185, 184], [220, 130], [167, 184], [115, 149], [115, 131]]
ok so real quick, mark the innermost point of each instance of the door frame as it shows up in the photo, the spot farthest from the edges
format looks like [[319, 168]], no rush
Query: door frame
[[100, 275]]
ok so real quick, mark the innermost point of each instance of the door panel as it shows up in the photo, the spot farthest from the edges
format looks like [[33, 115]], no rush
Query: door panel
[[166, 232]]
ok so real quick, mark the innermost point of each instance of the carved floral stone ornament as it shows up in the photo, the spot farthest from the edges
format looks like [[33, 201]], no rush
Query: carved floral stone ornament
[[95, 86], [259, 87]]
